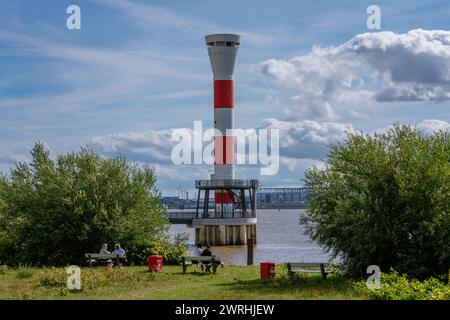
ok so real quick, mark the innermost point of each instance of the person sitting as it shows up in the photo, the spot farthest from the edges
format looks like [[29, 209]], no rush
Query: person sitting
[[119, 250], [197, 253], [207, 253], [198, 250], [104, 250]]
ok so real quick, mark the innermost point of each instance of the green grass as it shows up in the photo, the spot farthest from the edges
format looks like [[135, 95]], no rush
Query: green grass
[[231, 282]]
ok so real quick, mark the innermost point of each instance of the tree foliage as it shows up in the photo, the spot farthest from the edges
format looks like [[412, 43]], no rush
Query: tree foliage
[[54, 211], [384, 200]]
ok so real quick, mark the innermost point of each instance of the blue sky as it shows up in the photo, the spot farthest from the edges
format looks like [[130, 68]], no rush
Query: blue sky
[[138, 69]]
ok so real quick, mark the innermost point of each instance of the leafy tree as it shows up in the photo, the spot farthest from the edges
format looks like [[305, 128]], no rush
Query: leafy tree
[[384, 200], [56, 210], [2, 205]]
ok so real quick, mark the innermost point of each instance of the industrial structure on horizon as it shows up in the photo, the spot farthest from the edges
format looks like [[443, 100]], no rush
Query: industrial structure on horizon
[[269, 198]]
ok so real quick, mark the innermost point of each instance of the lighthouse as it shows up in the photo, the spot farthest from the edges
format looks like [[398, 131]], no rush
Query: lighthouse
[[231, 217], [223, 50]]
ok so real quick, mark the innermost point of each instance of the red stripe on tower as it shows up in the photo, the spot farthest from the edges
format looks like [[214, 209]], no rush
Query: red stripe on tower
[[223, 94], [224, 150]]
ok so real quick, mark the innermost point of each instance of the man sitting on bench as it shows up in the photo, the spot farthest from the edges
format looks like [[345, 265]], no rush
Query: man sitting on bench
[[216, 261], [207, 253]]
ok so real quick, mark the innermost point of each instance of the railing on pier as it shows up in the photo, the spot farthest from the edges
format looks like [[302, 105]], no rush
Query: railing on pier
[[274, 198], [186, 217]]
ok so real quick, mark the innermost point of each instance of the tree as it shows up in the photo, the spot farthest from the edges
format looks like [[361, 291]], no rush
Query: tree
[[56, 210], [2, 205], [384, 200]]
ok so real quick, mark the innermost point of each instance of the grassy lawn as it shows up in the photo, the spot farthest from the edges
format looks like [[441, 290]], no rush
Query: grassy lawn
[[231, 282]]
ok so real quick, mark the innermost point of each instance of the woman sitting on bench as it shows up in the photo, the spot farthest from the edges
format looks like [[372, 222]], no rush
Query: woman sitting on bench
[[198, 253], [119, 250], [104, 250]]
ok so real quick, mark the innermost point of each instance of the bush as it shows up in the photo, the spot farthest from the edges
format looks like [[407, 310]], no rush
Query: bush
[[54, 211], [400, 287], [383, 200], [169, 250]]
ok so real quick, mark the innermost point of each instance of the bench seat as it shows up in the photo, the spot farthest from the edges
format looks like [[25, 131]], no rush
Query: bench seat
[[206, 261], [293, 268], [103, 258]]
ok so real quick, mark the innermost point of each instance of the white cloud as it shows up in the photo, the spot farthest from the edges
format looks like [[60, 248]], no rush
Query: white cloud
[[428, 126], [431, 126], [307, 138], [151, 17], [358, 115], [149, 146], [370, 67], [303, 144], [295, 165], [103, 76]]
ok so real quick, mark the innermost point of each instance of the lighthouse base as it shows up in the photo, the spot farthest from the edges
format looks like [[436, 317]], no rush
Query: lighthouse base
[[232, 219], [224, 235]]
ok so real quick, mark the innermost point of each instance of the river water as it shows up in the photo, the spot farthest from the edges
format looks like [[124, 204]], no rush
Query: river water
[[280, 239]]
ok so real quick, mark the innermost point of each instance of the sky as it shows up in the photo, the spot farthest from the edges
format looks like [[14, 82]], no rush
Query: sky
[[137, 70]]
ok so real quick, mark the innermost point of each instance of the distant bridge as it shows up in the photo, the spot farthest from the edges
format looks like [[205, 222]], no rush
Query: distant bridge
[[181, 217], [269, 198], [192, 218], [282, 198]]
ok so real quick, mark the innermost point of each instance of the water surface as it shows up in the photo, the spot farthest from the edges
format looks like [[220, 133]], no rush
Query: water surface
[[280, 238]]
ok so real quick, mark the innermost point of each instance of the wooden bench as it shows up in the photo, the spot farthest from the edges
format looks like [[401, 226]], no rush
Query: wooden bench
[[103, 258], [293, 268], [205, 261]]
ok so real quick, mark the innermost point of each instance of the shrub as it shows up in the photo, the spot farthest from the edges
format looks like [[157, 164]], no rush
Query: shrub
[[169, 250], [54, 211], [400, 287], [383, 200], [284, 279]]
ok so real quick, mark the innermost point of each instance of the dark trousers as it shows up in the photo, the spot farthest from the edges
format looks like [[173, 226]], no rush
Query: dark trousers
[[122, 262]]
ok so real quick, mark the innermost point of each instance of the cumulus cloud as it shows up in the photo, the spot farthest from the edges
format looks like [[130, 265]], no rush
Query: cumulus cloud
[[370, 67], [308, 138], [148, 146], [153, 146], [428, 126], [432, 126], [358, 115], [295, 165], [303, 144]]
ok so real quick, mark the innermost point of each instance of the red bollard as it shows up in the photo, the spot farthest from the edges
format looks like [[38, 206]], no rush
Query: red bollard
[[155, 263], [267, 270]]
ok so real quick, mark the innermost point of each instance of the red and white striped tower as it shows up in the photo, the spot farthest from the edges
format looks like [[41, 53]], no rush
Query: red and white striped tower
[[223, 50]]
